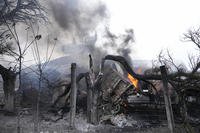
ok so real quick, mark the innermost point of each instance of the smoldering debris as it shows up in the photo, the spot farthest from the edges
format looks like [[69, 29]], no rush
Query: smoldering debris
[[113, 103]]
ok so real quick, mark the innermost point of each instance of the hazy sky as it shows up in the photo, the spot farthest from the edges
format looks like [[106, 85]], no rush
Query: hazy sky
[[157, 24]]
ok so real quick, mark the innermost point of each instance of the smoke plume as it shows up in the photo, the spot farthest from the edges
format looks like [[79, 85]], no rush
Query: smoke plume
[[120, 44], [75, 22], [78, 17]]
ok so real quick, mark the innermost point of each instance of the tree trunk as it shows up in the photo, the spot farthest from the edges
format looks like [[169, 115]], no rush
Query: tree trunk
[[92, 95], [9, 78]]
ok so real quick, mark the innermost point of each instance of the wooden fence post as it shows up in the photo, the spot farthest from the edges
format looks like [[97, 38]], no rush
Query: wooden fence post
[[73, 95], [89, 97], [168, 106]]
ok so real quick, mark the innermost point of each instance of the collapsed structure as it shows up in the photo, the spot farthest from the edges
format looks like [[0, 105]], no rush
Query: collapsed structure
[[114, 90], [117, 92]]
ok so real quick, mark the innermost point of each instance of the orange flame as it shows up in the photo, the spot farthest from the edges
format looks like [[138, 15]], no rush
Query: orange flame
[[134, 81]]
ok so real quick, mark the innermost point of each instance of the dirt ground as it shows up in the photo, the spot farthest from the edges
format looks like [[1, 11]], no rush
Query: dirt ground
[[47, 124]]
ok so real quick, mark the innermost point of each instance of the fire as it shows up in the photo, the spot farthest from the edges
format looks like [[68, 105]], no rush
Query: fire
[[134, 81]]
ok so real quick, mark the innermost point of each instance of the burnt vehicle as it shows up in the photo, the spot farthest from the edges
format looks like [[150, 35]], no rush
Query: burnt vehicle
[[122, 92]]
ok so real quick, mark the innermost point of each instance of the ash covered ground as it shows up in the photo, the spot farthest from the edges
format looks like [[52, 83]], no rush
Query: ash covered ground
[[47, 124]]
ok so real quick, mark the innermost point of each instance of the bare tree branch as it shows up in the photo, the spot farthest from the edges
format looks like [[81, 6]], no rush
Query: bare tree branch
[[193, 36]]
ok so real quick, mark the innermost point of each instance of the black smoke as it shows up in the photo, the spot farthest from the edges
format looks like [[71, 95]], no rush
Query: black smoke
[[120, 44], [78, 17]]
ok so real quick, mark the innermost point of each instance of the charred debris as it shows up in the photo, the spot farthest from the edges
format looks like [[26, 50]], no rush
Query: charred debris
[[109, 93]]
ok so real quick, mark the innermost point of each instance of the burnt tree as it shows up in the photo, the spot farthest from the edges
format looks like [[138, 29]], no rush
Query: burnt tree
[[93, 84], [9, 78], [11, 14]]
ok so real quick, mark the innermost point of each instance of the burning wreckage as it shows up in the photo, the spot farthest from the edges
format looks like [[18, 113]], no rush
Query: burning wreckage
[[110, 92]]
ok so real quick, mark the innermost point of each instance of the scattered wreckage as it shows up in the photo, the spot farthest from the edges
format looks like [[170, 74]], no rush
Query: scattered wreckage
[[121, 92]]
